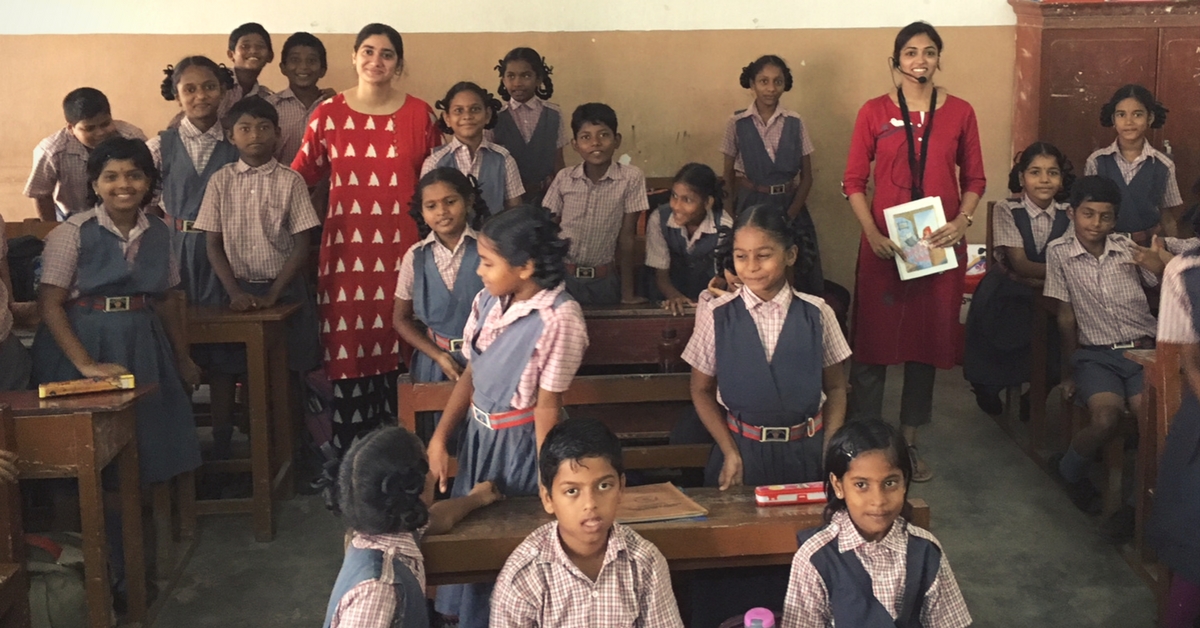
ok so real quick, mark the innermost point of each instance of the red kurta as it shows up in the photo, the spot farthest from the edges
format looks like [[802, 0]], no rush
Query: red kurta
[[916, 320], [372, 162]]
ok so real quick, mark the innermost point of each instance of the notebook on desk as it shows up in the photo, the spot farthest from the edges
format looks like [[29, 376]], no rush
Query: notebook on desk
[[657, 502]]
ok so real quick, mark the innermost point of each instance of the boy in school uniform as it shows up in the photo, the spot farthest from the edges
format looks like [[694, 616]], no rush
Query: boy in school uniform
[[1095, 274], [249, 51], [15, 363], [583, 569], [257, 214], [58, 181], [303, 63], [597, 203]]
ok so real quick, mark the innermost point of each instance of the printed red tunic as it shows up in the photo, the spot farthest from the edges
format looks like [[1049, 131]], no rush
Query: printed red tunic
[[372, 162], [916, 320]]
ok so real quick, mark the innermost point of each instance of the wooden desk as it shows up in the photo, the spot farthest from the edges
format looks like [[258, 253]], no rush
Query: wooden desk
[[271, 432], [629, 334], [736, 533], [14, 580], [76, 437], [1162, 395]]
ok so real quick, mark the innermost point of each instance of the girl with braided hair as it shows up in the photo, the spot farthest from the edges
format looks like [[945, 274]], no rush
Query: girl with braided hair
[[467, 110], [531, 127]]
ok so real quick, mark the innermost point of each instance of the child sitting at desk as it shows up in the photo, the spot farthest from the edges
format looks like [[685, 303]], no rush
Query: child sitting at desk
[[597, 203], [1091, 271], [583, 568]]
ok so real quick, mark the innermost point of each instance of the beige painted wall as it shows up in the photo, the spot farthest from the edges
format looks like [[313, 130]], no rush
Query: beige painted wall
[[672, 92]]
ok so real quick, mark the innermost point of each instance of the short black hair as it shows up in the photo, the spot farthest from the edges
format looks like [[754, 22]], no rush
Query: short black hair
[[380, 483], [1096, 189], [910, 31], [1140, 94], [84, 103], [1042, 149], [594, 113], [121, 148], [307, 40], [576, 439], [254, 106], [750, 72], [250, 28]]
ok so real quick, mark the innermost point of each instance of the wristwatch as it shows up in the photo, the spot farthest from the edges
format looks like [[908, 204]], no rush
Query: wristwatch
[[970, 220]]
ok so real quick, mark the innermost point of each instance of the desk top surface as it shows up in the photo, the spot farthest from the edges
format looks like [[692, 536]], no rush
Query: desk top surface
[[25, 403], [203, 314], [637, 310], [1145, 357]]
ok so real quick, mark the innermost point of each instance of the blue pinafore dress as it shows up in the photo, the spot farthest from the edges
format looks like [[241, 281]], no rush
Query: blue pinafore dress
[[166, 430], [535, 158], [691, 270], [507, 456], [491, 176], [761, 170], [361, 565], [444, 311], [1141, 197]]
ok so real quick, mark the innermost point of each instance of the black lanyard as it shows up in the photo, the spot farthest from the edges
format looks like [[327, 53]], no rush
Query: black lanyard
[[917, 168]]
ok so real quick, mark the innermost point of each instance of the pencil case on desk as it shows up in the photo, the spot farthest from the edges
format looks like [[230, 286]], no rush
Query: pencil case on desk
[[790, 494], [87, 385]]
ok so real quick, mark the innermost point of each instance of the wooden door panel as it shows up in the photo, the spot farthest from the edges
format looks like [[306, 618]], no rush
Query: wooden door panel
[[1179, 90]]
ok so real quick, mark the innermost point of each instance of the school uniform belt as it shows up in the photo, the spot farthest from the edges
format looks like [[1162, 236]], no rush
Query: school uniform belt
[[113, 304], [1145, 342], [774, 190], [765, 434], [589, 272], [186, 226], [453, 345], [502, 420]]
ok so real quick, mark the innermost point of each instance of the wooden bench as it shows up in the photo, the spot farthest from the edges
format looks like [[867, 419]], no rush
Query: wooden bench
[[735, 533], [30, 226], [630, 334], [589, 390], [14, 581]]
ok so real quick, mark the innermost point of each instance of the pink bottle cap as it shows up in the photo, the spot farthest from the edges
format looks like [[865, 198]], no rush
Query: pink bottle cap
[[763, 616]]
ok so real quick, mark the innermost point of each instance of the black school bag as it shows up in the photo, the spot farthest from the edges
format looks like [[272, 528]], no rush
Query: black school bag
[[25, 264]]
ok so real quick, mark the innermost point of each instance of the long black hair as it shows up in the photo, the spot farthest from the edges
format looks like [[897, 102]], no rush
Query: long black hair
[[526, 233], [489, 102], [910, 31], [775, 221], [1042, 149], [380, 483], [1140, 94], [120, 148], [701, 178], [466, 186], [545, 88], [175, 72], [854, 439], [746, 79]]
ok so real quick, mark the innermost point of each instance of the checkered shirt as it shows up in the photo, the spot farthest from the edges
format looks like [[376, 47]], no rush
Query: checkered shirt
[[557, 353], [1129, 169], [1106, 293], [60, 169], [293, 120], [60, 258], [6, 317], [256, 211], [373, 602], [885, 561], [1179, 246], [1041, 222], [199, 145], [657, 253], [448, 261], [540, 586], [592, 213], [513, 188], [770, 132], [1175, 306], [526, 115]]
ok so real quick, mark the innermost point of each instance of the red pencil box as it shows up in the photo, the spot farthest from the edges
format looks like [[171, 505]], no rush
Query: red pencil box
[[790, 494]]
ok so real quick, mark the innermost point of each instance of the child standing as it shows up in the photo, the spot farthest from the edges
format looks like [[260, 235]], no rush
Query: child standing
[[1150, 198], [58, 181], [681, 237], [467, 110], [257, 216], [386, 499], [1091, 271], [998, 324], [868, 566], [597, 203], [531, 127], [250, 51], [523, 342], [583, 568], [303, 64], [768, 156], [438, 279]]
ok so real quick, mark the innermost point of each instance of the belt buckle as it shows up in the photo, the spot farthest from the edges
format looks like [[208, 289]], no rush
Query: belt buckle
[[456, 345], [811, 426], [189, 226], [779, 189], [775, 435], [481, 417], [116, 304], [585, 272], [1125, 345]]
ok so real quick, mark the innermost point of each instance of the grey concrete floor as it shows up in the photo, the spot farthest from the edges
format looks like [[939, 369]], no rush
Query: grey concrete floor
[[1022, 554]]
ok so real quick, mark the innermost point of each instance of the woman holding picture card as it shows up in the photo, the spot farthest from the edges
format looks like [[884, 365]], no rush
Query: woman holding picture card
[[924, 143]]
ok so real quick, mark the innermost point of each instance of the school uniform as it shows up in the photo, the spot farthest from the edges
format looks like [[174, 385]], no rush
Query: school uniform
[[533, 132], [841, 579], [13, 357], [1147, 184], [591, 216], [690, 260], [60, 169], [113, 283], [1111, 312], [382, 583], [540, 586], [293, 119], [492, 166], [441, 283], [257, 210], [999, 329], [232, 96], [769, 155], [513, 352]]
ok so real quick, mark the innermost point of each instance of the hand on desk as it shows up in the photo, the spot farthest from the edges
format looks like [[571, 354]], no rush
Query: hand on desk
[[677, 305], [102, 370], [241, 301], [633, 300], [486, 493], [449, 366], [731, 472], [8, 466]]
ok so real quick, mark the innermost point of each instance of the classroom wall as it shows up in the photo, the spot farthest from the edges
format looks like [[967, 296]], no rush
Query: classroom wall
[[672, 89]]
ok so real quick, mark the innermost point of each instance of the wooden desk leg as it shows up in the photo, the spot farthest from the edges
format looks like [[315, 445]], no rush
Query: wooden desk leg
[[1037, 383], [281, 412], [95, 546], [1146, 456], [260, 435], [131, 525], [185, 487]]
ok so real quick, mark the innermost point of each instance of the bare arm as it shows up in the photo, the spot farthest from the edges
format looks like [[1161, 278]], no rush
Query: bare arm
[[546, 413], [833, 382], [1169, 218], [214, 243], [293, 265], [803, 187], [712, 415], [510, 203], [1068, 333], [445, 514], [673, 299], [1021, 264], [452, 417], [625, 245], [51, 300], [45, 207], [402, 320], [169, 311]]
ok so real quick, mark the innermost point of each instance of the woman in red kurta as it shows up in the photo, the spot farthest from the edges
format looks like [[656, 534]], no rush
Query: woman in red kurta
[[369, 141], [910, 322]]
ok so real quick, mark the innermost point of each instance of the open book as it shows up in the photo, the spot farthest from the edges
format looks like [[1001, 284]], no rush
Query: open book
[[657, 502]]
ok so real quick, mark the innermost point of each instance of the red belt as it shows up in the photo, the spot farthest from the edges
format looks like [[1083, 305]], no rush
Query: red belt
[[502, 420], [588, 272], [453, 345], [113, 304], [775, 434], [774, 190], [186, 226]]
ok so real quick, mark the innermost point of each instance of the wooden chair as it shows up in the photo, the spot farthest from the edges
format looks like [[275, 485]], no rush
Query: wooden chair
[[14, 581]]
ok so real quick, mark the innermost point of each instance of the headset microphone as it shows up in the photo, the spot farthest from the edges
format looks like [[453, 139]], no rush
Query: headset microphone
[[920, 79]]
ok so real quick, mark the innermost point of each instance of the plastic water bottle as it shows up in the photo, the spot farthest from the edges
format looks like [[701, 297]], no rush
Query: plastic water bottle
[[759, 618]]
